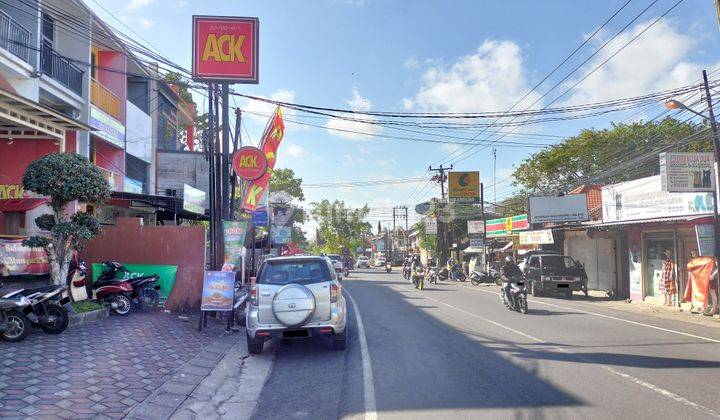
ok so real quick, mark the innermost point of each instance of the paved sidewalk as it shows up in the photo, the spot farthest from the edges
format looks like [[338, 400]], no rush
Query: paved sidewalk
[[223, 381]]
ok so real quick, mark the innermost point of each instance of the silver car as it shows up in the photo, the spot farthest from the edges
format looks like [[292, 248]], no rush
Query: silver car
[[296, 297]]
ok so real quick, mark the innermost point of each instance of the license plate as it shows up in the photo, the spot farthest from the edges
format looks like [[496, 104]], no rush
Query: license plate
[[295, 333], [65, 300], [563, 286], [157, 287]]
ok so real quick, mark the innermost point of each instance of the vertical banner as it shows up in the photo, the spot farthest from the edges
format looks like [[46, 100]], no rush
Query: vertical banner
[[282, 221], [21, 260], [234, 236], [271, 139], [218, 291]]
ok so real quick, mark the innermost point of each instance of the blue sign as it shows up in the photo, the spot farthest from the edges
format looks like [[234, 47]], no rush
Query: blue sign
[[260, 217], [281, 235], [218, 291]]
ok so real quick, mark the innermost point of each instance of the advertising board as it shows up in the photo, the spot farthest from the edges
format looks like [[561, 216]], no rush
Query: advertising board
[[225, 48], [566, 208], [687, 172], [194, 200], [464, 187]]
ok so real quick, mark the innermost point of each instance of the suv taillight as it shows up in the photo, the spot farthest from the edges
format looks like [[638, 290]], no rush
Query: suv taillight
[[254, 296], [334, 290]]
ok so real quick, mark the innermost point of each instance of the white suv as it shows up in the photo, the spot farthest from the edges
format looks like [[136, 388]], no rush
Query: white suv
[[296, 297]]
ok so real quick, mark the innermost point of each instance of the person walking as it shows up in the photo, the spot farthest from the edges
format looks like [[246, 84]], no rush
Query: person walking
[[667, 280]]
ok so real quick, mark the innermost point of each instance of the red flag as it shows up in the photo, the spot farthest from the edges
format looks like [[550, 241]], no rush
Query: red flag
[[272, 137]]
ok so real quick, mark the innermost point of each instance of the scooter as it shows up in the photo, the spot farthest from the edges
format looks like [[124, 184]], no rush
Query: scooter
[[418, 279], [117, 293], [145, 288], [76, 281], [432, 275], [47, 310], [388, 267], [14, 324], [518, 297], [407, 272], [478, 277]]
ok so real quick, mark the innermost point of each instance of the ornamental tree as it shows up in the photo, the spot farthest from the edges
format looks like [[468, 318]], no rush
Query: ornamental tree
[[64, 178]]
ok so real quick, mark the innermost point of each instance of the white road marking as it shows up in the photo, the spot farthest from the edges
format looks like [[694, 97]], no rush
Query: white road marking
[[699, 337], [637, 381], [368, 382]]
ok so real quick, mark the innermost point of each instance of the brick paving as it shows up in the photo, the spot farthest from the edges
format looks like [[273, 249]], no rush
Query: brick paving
[[96, 370]]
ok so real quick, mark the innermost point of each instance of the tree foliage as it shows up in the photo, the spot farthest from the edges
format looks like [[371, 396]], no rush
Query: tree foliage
[[65, 178], [340, 225], [592, 152]]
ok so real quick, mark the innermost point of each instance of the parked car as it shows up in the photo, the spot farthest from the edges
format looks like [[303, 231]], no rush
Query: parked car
[[555, 274], [363, 262], [296, 297], [379, 262], [529, 254], [336, 262]]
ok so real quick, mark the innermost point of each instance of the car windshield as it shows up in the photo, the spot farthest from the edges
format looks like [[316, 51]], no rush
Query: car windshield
[[300, 272], [557, 262]]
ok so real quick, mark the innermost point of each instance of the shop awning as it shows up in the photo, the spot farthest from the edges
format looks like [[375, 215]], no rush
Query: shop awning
[[21, 204], [23, 118], [678, 219], [473, 250]]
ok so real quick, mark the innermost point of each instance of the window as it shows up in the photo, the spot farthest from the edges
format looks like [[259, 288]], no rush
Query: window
[[48, 29], [557, 262], [534, 262], [294, 271]]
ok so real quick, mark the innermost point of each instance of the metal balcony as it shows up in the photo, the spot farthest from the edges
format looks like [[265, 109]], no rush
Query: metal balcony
[[14, 37], [60, 69]]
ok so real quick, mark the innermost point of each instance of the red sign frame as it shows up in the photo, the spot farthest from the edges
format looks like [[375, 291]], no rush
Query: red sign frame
[[249, 174], [220, 43]]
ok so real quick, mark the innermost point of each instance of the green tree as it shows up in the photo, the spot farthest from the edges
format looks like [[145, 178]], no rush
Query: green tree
[[426, 241], [592, 153], [65, 178], [175, 78], [284, 180], [340, 225]]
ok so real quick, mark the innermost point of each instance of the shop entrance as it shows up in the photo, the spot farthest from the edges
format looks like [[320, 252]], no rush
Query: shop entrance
[[655, 245]]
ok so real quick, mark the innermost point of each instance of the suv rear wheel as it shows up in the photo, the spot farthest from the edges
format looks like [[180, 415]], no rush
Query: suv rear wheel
[[340, 341], [255, 345]]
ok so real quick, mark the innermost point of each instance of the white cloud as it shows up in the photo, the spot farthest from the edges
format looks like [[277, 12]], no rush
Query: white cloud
[[295, 150], [657, 60], [408, 103], [138, 4], [260, 111], [411, 63], [493, 78], [450, 148], [182, 3], [146, 23], [351, 129]]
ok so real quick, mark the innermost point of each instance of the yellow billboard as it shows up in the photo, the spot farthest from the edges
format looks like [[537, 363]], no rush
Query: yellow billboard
[[464, 186]]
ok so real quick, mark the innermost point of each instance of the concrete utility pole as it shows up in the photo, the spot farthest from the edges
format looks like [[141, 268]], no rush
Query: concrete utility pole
[[494, 177], [716, 147], [440, 178]]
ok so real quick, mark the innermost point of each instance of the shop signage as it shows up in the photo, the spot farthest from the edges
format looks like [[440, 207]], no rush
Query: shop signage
[[218, 291], [380, 245], [687, 172], [225, 48], [431, 227], [234, 239], [506, 226], [132, 186], [249, 163], [271, 139], [644, 198], [566, 208], [537, 237], [464, 187], [139, 133], [108, 128], [282, 221], [705, 235], [476, 240], [166, 273], [476, 226], [260, 217], [193, 199], [11, 191], [20, 259]]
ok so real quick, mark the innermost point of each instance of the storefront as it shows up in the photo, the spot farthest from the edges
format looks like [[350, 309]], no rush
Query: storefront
[[656, 223], [599, 251]]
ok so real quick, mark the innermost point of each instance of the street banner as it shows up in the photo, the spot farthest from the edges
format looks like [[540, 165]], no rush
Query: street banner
[[476, 226], [705, 235], [506, 226], [234, 233], [687, 172], [553, 209], [194, 200], [271, 139], [23, 260], [431, 227], [218, 291], [249, 163], [464, 187], [282, 221], [167, 275], [225, 49], [537, 237]]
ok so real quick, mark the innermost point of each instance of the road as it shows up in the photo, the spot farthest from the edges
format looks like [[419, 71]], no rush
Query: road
[[452, 351]]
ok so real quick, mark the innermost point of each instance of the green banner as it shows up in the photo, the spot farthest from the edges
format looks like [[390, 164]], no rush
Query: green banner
[[167, 275], [234, 234]]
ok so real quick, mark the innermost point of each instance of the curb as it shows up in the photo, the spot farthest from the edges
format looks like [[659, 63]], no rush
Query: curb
[[87, 317]]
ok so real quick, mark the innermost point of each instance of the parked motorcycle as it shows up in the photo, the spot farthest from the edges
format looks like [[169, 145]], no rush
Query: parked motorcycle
[[443, 274], [418, 279], [14, 325], [388, 267], [46, 310], [145, 288], [478, 277], [518, 297], [79, 291], [117, 293]]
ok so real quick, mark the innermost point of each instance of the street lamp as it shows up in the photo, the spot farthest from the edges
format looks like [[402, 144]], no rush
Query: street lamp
[[673, 104]]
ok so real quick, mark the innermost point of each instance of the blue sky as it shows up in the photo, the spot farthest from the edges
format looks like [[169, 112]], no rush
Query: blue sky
[[444, 56]]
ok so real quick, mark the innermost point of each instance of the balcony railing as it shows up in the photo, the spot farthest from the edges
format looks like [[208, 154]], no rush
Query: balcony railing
[[14, 37], [101, 97], [60, 69]]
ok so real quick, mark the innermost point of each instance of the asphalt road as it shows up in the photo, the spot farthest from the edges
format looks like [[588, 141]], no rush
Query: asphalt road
[[453, 351]]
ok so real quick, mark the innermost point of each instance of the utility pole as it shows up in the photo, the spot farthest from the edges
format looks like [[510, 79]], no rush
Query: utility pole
[[716, 147], [210, 137], [225, 162], [440, 178], [237, 142], [494, 179]]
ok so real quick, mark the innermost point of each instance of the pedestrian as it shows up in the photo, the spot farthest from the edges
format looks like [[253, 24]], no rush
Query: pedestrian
[[712, 308], [452, 268], [667, 279]]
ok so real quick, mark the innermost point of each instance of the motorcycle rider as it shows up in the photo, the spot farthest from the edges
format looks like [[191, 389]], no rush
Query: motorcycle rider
[[508, 272]]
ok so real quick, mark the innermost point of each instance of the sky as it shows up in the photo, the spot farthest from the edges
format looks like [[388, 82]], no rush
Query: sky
[[435, 56]]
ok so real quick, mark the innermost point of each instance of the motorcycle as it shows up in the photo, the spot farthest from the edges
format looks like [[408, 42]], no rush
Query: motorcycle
[[407, 272], [418, 279], [117, 293], [518, 297], [46, 310], [346, 271], [388, 268], [432, 275], [492, 276], [76, 281], [443, 274], [145, 288], [14, 324], [460, 276]]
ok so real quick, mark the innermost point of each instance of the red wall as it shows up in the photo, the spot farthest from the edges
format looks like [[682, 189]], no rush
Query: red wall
[[15, 157], [111, 74], [184, 246], [111, 158]]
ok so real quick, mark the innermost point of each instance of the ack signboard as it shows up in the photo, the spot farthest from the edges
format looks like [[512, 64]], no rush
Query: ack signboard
[[225, 48], [464, 187]]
